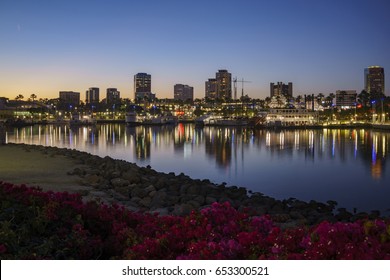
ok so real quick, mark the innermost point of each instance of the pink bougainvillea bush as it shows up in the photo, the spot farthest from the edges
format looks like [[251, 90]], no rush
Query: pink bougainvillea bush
[[53, 225]]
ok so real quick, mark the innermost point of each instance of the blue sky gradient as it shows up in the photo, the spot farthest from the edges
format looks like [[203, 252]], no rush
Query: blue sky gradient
[[320, 46]]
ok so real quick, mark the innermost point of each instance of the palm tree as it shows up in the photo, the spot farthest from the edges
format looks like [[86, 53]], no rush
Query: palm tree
[[320, 97], [298, 100], [33, 96], [19, 97], [364, 98], [332, 95]]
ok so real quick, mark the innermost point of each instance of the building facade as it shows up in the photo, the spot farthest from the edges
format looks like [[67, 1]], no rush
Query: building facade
[[374, 79], [69, 99], [346, 99], [224, 84], [92, 95], [142, 86], [280, 88], [183, 92], [220, 87], [113, 96], [211, 89]]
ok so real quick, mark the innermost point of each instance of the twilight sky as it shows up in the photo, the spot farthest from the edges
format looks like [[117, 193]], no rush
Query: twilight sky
[[320, 46]]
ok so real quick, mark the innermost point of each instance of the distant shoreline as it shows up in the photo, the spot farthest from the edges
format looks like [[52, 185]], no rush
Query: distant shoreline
[[380, 126]]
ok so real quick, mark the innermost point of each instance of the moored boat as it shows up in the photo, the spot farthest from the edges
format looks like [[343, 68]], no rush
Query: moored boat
[[77, 120]]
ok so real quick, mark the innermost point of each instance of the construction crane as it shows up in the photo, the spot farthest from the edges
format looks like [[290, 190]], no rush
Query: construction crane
[[242, 81]]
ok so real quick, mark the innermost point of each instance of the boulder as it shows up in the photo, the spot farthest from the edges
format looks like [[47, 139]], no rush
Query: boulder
[[193, 190], [200, 199], [124, 190], [138, 192], [119, 182], [161, 211], [132, 176], [146, 202], [92, 180], [152, 194], [296, 215], [117, 195], [174, 187], [210, 200], [161, 183], [183, 189], [159, 200], [92, 171], [182, 209], [77, 171], [150, 188], [115, 174]]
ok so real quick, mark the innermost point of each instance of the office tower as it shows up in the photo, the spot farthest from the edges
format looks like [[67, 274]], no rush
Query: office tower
[[92, 96], [69, 99], [211, 88], [281, 89], [374, 80], [183, 92], [142, 85], [224, 84], [346, 99], [113, 96]]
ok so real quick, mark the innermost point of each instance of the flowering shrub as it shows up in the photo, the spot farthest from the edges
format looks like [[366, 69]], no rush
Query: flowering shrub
[[50, 225]]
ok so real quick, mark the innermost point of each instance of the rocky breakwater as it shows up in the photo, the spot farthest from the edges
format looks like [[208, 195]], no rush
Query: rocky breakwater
[[144, 189]]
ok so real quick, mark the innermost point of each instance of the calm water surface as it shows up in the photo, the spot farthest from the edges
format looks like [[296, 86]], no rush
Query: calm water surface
[[345, 165]]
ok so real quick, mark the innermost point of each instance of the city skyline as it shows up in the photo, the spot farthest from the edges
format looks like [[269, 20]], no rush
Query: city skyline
[[47, 47]]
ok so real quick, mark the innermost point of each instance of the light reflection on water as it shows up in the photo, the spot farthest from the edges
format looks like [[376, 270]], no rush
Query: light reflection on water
[[346, 165]]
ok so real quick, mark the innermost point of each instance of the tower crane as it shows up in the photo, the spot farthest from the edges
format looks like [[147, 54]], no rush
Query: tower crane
[[242, 81]]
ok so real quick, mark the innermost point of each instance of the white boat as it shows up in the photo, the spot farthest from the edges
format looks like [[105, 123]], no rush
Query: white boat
[[232, 122], [132, 118], [77, 120], [213, 120]]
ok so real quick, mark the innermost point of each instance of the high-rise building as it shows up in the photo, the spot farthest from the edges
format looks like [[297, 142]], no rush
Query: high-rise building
[[183, 92], [211, 88], [220, 87], [374, 79], [142, 85], [92, 95], [224, 84], [113, 96], [281, 89], [346, 99], [69, 99]]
